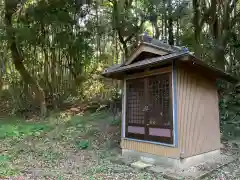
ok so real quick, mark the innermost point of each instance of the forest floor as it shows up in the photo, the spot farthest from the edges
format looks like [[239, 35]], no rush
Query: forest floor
[[70, 145]]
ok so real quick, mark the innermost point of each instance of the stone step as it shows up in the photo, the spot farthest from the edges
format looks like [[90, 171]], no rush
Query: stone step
[[140, 165]]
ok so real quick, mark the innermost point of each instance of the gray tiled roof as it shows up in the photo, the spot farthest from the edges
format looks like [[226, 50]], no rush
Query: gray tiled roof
[[174, 53], [146, 62], [161, 44]]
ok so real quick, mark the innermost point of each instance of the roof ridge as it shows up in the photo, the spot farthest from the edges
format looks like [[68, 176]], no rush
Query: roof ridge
[[148, 61], [145, 38]]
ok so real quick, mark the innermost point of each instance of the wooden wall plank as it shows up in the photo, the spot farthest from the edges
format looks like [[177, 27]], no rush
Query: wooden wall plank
[[198, 113], [150, 73], [150, 148]]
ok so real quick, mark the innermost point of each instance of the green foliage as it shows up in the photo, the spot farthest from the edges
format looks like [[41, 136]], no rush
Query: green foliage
[[116, 121], [83, 144], [65, 46], [61, 136], [50, 39], [88, 117], [78, 120], [98, 169], [230, 112], [4, 158], [20, 129], [92, 132], [6, 169]]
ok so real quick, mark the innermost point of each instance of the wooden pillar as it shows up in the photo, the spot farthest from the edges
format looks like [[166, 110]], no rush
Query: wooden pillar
[[123, 108]]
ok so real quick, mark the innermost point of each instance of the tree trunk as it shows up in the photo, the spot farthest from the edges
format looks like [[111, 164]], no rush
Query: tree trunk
[[170, 24], [220, 30], [219, 55], [162, 35], [18, 63], [36, 89], [177, 35], [125, 49], [178, 27], [197, 29], [157, 31], [165, 20]]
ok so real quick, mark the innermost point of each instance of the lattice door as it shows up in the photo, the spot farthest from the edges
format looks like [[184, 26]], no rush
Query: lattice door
[[149, 108], [135, 102], [159, 115]]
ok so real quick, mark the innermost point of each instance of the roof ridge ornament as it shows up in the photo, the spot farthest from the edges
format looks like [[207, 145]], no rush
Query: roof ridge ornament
[[146, 37], [185, 49]]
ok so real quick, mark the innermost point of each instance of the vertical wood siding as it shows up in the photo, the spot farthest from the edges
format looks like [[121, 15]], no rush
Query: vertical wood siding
[[198, 113], [150, 148]]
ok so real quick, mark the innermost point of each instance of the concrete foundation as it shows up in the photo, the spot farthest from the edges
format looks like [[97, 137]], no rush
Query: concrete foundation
[[170, 162]]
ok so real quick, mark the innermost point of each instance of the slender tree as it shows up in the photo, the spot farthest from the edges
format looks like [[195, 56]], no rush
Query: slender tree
[[11, 7]]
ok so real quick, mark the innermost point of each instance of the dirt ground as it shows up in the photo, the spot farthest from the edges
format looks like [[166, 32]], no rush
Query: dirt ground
[[76, 147]]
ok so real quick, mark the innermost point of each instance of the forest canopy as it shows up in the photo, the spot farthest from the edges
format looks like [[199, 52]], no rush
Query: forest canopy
[[53, 51]]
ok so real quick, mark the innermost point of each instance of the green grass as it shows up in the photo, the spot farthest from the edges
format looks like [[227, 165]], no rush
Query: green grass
[[88, 117], [5, 166], [49, 156], [21, 129], [83, 144], [18, 128], [116, 121], [12, 134]]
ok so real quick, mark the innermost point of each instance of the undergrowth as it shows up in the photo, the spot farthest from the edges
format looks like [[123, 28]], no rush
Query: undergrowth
[[47, 143]]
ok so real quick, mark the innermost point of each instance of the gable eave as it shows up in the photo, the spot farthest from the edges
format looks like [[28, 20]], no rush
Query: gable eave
[[112, 73], [181, 56], [147, 47]]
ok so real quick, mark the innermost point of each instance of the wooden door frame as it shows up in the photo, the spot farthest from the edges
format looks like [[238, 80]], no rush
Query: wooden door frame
[[146, 94], [169, 69], [169, 76]]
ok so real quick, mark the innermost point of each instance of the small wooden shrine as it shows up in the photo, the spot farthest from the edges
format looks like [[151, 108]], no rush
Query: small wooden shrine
[[169, 103]]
